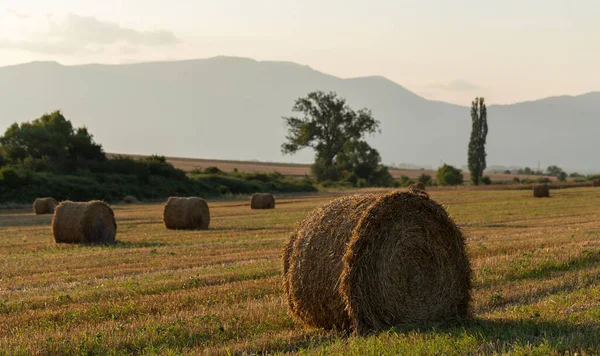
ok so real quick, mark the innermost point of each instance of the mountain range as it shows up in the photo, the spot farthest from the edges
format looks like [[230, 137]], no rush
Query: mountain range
[[231, 108]]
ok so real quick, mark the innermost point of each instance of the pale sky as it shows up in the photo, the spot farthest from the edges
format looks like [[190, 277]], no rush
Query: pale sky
[[506, 51]]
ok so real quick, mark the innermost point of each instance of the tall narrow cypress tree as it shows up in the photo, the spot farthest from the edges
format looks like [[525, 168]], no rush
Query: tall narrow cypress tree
[[477, 143]]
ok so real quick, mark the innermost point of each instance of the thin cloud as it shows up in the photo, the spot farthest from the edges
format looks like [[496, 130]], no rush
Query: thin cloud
[[73, 33]]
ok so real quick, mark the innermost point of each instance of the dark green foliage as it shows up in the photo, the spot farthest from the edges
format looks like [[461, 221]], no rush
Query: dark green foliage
[[50, 143], [424, 178], [448, 175], [48, 158], [212, 170], [516, 180], [404, 180], [479, 132], [486, 180], [593, 177], [554, 171], [575, 175], [335, 132], [562, 177]]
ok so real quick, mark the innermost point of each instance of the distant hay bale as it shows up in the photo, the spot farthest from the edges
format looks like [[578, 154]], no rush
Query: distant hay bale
[[91, 222], [541, 191], [418, 185], [370, 262], [262, 201], [186, 213], [130, 199], [43, 206], [596, 183]]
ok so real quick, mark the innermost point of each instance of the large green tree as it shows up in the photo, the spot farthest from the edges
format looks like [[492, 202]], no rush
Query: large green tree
[[49, 138], [335, 132], [479, 132]]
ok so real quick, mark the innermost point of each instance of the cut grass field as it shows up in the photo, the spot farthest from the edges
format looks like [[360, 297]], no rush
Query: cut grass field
[[536, 283]]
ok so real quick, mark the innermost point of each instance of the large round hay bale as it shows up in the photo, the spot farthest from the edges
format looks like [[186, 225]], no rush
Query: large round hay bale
[[44, 206], [370, 262], [91, 222], [262, 201], [541, 191], [130, 199], [186, 213]]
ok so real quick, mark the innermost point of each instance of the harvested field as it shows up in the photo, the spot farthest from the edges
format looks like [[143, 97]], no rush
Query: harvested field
[[299, 170], [536, 282]]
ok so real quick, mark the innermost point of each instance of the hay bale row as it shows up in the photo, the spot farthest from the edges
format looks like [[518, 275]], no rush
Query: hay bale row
[[369, 262], [43, 206], [91, 222], [186, 213], [262, 201], [541, 191]]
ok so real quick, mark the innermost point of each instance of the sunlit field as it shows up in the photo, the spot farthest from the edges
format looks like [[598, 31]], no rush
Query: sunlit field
[[536, 283]]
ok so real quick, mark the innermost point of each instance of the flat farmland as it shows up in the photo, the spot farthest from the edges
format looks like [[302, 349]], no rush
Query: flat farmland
[[536, 280], [300, 170]]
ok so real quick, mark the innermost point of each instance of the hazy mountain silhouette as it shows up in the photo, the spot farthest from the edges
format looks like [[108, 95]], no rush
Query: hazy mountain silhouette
[[231, 108]]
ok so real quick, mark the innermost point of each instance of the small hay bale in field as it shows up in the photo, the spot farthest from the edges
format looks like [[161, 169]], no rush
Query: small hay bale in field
[[130, 199], [44, 206], [596, 183], [91, 222], [370, 262], [262, 201], [541, 191], [418, 185], [186, 213]]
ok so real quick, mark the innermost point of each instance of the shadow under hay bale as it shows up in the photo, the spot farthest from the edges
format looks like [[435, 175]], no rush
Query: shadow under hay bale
[[262, 201], [370, 262], [541, 191], [43, 206], [186, 213], [91, 222], [130, 199]]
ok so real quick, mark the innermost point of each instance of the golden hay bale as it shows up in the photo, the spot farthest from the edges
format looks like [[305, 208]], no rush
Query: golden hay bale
[[418, 185], [262, 201], [541, 191], [91, 222], [596, 183], [130, 199], [44, 206], [186, 213], [370, 262]]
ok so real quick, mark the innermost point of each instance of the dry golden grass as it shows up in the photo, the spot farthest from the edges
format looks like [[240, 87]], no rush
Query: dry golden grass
[[536, 265]]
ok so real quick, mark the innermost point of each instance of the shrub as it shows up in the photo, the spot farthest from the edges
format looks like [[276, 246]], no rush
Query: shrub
[[486, 180], [448, 175], [424, 178], [516, 180]]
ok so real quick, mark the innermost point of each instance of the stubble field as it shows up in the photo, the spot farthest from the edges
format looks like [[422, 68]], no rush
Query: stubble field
[[536, 266]]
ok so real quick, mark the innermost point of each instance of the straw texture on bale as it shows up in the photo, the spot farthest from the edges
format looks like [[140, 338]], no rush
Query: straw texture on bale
[[186, 213], [541, 191], [596, 183], [370, 262], [91, 222], [262, 201], [418, 185], [130, 199], [44, 206]]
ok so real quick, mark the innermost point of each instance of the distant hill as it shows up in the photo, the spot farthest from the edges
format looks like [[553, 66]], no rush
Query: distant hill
[[231, 108]]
